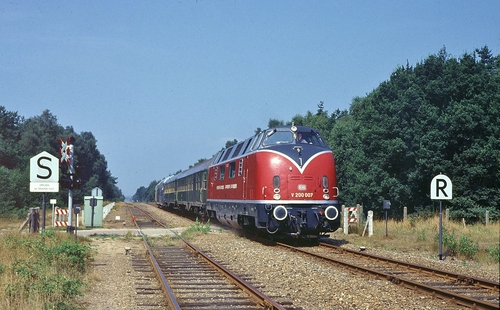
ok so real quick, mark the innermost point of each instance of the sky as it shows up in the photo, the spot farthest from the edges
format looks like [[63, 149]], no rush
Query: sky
[[161, 84]]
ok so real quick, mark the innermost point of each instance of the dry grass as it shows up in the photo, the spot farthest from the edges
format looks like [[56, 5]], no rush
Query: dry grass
[[36, 270], [422, 235]]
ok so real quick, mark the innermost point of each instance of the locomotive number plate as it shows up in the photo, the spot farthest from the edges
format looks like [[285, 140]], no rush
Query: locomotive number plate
[[302, 195]]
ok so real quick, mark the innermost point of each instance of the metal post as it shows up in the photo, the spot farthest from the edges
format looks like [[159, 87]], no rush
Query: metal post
[[440, 230], [386, 232], [70, 191], [70, 211], [43, 212], [92, 204]]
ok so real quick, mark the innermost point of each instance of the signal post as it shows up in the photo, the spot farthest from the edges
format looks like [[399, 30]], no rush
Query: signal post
[[441, 189], [70, 179], [43, 177]]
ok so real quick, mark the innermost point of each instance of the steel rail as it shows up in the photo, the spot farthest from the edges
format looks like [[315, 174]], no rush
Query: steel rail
[[263, 300], [257, 295], [488, 284], [169, 294], [452, 297]]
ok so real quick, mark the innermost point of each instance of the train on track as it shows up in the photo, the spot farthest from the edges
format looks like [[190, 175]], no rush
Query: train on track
[[280, 182]]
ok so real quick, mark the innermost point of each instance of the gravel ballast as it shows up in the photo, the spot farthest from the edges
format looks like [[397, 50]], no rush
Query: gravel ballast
[[308, 283]]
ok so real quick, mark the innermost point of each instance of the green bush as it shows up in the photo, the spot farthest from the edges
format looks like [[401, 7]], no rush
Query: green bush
[[493, 253], [450, 242], [464, 246], [196, 228], [467, 248], [70, 255]]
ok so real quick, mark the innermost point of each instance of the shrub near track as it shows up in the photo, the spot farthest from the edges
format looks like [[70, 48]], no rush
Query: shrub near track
[[41, 271]]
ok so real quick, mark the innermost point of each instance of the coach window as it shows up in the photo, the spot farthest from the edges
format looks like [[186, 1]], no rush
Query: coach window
[[232, 169], [222, 171]]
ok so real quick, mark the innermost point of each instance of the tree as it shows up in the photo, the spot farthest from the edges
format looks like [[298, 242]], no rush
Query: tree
[[230, 143], [21, 139], [274, 123], [442, 116], [9, 137]]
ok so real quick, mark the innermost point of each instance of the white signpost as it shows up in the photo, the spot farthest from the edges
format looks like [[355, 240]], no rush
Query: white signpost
[[44, 177], [441, 189], [44, 173]]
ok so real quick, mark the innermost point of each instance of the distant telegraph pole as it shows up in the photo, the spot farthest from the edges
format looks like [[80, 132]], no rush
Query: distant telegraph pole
[[441, 189]]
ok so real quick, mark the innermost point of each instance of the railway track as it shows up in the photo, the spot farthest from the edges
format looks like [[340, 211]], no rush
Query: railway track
[[455, 288], [191, 280]]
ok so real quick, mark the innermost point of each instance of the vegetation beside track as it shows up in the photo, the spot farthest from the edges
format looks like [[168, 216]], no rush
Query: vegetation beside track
[[42, 271], [470, 243]]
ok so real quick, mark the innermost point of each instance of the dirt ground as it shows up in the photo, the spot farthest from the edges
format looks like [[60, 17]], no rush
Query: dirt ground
[[112, 276], [120, 210]]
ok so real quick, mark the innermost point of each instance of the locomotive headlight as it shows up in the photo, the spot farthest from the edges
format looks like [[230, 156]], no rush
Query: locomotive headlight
[[325, 181], [276, 196], [326, 196], [331, 213], [276, 181], [280, 213]]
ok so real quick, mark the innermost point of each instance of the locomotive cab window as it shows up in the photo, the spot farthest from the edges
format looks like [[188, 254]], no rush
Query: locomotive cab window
[[274, 137], [256, 143], [311, 137]]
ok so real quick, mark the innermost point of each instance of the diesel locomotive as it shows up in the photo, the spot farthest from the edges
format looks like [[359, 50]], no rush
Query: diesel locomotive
[[280, 182]]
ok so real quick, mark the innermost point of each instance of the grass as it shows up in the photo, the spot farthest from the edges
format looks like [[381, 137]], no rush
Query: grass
[[41, 271], [477, 242], [196, 229]]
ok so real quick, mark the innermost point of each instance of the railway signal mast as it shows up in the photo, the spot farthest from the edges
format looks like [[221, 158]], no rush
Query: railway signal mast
[[68, 170]]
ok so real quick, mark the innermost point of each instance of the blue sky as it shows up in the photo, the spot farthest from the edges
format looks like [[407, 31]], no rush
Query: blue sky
[[162, 84]]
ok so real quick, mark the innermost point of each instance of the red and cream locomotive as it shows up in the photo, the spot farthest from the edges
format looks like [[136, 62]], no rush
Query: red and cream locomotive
[[281, 182]]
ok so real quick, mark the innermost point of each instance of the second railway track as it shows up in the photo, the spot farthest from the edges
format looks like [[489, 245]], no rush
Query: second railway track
[[455, 288]]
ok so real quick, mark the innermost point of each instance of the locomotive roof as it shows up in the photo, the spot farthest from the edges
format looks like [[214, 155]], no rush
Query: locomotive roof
[[255, 142]]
